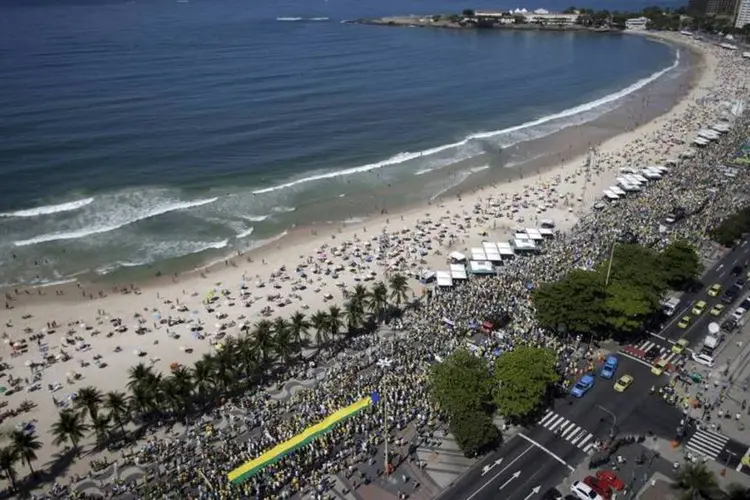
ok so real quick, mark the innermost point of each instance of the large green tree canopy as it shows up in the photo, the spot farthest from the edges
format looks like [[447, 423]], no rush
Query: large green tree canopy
[[574, 303], [462, 382], [522, 381]]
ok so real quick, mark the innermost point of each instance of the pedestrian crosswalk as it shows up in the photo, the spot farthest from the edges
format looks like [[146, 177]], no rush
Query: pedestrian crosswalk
[[706, 443], [568, 431], [664, 353]]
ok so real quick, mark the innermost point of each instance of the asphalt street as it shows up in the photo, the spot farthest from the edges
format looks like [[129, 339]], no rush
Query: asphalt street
[[539, 458], [721, 273]]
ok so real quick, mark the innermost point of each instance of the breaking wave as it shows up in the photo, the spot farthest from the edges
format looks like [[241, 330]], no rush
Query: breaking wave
[[49, 209]]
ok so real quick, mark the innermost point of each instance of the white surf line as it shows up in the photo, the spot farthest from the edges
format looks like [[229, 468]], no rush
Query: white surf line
[[621, 353], [499, 473], [548, 452]]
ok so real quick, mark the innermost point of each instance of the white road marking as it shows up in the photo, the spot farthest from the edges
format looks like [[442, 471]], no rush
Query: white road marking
[[500, 473], [548, 452]]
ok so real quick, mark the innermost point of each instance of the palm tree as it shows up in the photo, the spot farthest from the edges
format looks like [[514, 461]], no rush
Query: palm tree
[[100, 428], [319, 321], [299, 326], [182, 381], [378, 301], [143, 399], [359, 296], [70, 426], [335, 321], [117, 405], [88, 400], [353, 314], [399, 287], [203, 376], [8, 458], [284, 343], [26, 445], [139, 374], [736, 491], [263, 340], [225, 368], [696, 482]]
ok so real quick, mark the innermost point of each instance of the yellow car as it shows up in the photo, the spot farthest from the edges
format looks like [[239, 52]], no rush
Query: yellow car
[[717, 310], [714, 290], [680, 346], [659, 367], [699, 307], [623, 383], [684, 322]]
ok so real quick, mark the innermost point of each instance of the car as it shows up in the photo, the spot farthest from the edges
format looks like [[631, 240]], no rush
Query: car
[[717, 310], [680, 346], [610, 477], [699, 307], [684, 322], [736, 270], [552, 494], [582, 386], [729, 296], [598, 486], [659, 367], [703, 359], [739, 284], [714, 290], [745, 304], [583, 491], [610, 367], [739, 313], [623, 383]]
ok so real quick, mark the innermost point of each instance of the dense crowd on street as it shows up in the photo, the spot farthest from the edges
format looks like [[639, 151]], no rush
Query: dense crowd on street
[[197, 462]]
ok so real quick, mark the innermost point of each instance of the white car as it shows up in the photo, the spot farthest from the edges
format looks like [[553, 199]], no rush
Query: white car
[[584, 491], [703, 359], [738, 313]]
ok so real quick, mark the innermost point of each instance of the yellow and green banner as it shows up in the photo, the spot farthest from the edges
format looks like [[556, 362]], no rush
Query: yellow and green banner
[[248, 469]]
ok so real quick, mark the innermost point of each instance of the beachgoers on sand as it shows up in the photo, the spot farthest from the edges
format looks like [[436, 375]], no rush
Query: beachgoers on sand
[[54, 346]]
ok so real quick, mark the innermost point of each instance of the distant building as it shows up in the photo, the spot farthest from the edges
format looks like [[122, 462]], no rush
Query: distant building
[[721, 8], [637, 23], [743, 14], [539, 16]]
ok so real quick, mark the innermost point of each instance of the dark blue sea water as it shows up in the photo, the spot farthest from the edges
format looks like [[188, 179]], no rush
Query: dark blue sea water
[[139, 131]]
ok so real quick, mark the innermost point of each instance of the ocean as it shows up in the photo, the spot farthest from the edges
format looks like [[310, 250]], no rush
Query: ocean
[[142, 136]]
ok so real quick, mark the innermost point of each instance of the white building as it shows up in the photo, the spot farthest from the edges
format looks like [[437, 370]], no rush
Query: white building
[[637, 23], [743, 14]]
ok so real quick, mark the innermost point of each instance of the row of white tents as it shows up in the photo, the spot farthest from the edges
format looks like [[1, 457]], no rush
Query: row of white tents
[[707, 135], [631, 181]]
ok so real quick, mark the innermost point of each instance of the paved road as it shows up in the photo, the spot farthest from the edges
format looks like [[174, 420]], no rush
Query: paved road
[[541, 457], [721, 273], [530, 463]]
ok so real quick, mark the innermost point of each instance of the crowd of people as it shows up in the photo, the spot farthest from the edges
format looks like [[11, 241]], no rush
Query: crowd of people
[[196, 463]]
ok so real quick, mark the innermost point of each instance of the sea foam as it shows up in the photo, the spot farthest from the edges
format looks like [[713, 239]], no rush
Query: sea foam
[[408, 156], [49, 209], [90, 231]]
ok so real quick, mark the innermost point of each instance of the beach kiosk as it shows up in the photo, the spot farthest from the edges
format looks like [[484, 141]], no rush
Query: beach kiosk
[[477, 253], [534, 235], [458, 272], [490, 249], [444, 279], [523, 247], [546, 232], [481, 267], [505, 250], [457, 257]]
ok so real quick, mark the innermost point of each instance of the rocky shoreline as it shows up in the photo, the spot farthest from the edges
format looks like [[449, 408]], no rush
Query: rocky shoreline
[[446, 22]]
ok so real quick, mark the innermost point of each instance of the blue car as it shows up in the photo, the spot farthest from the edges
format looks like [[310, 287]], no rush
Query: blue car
[[610, 367], [582, 386]]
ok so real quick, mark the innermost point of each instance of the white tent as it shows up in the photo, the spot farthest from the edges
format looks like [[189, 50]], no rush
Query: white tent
[[617, 190], [546, 233], [534, 234], [610, 195], [458, 272], [478, 254], [444, 278], [504, 249], [490, 249], [481, 267], [524, 246], [458, 256]]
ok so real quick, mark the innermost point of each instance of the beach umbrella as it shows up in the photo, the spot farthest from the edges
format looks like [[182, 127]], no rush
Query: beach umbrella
[[157, 316]]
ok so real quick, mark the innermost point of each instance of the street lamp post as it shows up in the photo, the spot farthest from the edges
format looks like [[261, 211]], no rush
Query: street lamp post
[[385, 363], [614, 420]]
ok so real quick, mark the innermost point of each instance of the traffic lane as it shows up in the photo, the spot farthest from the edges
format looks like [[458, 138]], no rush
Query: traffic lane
[[586, 411], [481, 476], [732, 453], [652, 414], [534, 469]]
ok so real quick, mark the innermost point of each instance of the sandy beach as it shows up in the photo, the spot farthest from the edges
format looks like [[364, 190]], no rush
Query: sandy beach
[[106, 330]]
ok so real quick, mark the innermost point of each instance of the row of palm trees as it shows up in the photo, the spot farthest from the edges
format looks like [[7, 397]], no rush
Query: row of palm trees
[[697, 482], [242, 363]]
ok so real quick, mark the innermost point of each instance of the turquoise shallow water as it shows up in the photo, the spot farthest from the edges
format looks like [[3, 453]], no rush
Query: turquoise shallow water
[[137, 132]]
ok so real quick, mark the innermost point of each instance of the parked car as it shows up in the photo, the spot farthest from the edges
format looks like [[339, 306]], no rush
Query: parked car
[[582, 386], [610, 367], [583, 491], [552, 494], [610, 477], [598, 486]]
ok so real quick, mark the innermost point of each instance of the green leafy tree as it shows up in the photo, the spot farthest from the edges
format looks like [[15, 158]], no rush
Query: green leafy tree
[[696, 482], [681, 264], [462, 383], [736, 491], [474, 431], [575, 302], [628, 307], [639, 266], [731, 229], [523, 378]]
